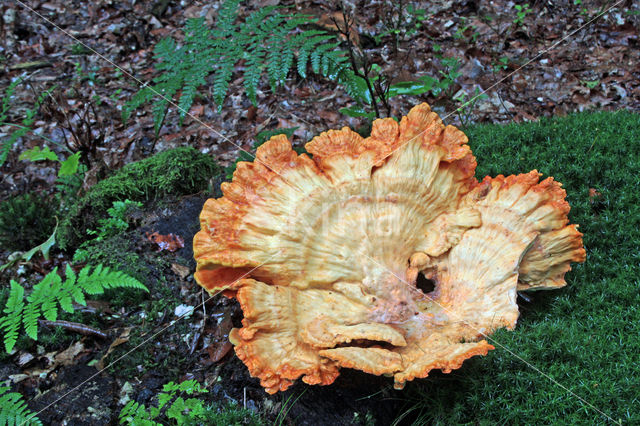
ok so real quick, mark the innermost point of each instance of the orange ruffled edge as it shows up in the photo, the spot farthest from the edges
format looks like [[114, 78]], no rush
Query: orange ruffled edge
[[217, 246], [558, 244], [321, 372], [481, 348]]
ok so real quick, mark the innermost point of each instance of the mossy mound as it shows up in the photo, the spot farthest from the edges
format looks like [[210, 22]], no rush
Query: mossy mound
[[580, 343], [26, 220], [174, 172]]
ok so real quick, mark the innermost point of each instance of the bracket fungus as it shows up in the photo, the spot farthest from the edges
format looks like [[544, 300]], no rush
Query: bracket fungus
[[324, 254]]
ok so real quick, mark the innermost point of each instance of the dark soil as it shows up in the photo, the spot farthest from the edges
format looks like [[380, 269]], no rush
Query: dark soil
[[92, 403]]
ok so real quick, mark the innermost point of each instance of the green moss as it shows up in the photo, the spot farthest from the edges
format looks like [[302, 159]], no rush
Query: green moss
[[119, 252], [585, 336], [26, 220], [168, 358], [232, 414], [170, 173]]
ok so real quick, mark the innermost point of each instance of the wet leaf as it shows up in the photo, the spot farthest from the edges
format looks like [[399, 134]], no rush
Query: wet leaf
[[69, 166], [37, 154]]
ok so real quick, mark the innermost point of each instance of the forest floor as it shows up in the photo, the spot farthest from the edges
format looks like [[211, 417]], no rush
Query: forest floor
[[480, 46]]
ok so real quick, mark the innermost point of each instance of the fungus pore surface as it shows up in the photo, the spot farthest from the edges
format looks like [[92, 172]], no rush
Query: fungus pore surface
[[382, 254]]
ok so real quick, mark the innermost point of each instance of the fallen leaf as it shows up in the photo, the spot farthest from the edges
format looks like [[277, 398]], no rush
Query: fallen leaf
[[67, 356], [221, 345], [123, 338], [218, 350], [17, 378], [180, 270], [24, 359], [197, 110], [169, 242], [331, 117], [335, 22]]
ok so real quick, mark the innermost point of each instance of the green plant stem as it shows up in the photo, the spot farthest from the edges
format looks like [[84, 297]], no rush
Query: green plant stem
[[354, 65], [38, 135]]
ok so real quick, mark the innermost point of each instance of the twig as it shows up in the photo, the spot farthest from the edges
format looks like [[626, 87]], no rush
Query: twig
[[30, 65], [364, 74], [76, 327], [35, 134], [504, 106], [197, 334]]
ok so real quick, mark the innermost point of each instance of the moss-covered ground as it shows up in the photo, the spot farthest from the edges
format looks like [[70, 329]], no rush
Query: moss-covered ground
[[585, 338], [173, 172]]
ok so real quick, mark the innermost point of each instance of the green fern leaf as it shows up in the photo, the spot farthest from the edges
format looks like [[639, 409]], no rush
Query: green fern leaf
[[51, 291], [104, 278], [30, 320], [318, 54], [268, 41], [87, 285], [253, 71], [194, 30], [135, 414], [166, 51], [221, 80], [159, 111], [307, 41], [10, 323], [227, 15], [143, 96], [75, 292], [42, 294], [67, 290], [277, 48], [14, 411], [195, 80], [255, 20], [48, 292], [191, 386]]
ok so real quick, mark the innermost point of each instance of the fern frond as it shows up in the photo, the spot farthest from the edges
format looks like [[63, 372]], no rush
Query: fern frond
[[194, 30], [192, 82], [48, 296], [227, 15], [268, 41], [319, 54], [277, 49], [190, 387], [253, 71], [51, 292], [136, 414], [104, 278], [221, 79], [334, 63], [30, 320], [305, 42], [14, 411], [255, 19], [10, 323], [143, 96], [159, 111]]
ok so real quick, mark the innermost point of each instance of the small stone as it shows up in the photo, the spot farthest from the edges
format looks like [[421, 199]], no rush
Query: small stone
[[24, 359], [183, 310]]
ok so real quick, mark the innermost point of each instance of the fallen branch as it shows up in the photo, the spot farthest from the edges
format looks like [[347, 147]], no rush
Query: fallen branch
[[76, 327], [30, 65]]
